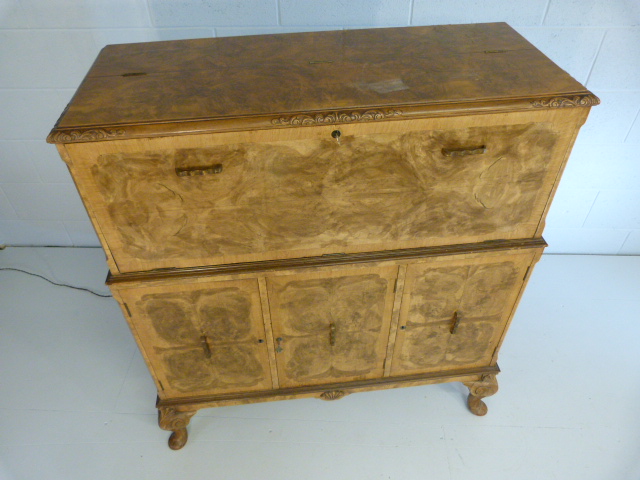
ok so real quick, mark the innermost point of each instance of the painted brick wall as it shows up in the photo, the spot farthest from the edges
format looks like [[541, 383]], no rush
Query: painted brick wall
[[46, 46]]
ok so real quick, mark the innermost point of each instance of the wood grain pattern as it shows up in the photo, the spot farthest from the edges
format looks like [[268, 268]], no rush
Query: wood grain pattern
[[202, 338], [331, 326], [453, 314], [223, 83], [369, 191]]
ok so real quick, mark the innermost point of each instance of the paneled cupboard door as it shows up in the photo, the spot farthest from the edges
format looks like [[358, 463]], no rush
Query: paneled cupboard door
[[454, 312], [331, 326], [202, 338]]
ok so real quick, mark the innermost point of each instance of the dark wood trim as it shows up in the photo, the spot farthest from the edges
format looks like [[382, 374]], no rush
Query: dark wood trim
[[97, 133], [347, 387], [326, 260]]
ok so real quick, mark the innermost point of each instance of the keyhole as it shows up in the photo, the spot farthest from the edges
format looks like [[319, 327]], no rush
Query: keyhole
[[336, 134]]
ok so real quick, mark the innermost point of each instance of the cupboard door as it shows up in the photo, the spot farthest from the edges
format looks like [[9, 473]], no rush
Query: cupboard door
[[454, 312], [202, 338], [331, 327]]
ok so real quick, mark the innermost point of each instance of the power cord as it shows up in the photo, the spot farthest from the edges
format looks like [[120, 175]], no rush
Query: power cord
[[57, 284]]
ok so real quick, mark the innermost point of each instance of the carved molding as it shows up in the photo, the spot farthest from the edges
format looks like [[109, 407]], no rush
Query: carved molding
[[332, 395], [86, 135], [562, 102], [337, 117], [327, 260]]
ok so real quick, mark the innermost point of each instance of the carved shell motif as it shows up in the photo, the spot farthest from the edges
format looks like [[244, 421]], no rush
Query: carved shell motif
[[336, 117], [562, 102], [332, 395]]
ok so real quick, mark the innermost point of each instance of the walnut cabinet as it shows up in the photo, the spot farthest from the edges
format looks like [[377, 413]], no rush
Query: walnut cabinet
[[319, 214]]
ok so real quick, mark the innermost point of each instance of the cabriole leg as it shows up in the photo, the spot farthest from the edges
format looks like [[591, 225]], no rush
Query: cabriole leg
[[176, 421], [485, 387]]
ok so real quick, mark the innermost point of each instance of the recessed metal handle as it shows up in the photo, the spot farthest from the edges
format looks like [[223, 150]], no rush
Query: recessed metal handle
[[332, 334], [193, 171], [205, 346], [463, 152], [455, 322]]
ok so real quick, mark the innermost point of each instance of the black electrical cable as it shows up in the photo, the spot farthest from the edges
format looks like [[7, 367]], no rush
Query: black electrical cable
[[57, 284]]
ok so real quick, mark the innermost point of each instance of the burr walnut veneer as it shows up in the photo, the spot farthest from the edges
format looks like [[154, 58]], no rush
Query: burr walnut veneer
[[318, 214]]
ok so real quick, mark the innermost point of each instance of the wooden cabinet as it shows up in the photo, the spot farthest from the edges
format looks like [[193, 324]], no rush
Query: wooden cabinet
[[318, 214]]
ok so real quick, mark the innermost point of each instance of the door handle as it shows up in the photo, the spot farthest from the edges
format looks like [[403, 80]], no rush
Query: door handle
[[455, 322], [205, 346], [332, 334]]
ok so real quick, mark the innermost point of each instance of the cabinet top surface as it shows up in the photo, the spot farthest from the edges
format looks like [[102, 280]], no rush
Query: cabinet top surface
[[273, 81]]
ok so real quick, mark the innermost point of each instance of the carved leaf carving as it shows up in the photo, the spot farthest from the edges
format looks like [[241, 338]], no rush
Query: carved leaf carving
[[562, 102], [337, 117], [87, 135]]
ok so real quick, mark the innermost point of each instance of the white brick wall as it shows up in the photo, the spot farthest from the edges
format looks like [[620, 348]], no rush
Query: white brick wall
[[47, 46]]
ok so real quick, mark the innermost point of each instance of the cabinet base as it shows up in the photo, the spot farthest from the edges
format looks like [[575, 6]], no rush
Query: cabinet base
[[174, 414]]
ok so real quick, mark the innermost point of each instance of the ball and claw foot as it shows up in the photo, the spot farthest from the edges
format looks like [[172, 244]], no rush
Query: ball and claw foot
[[175, 421], [485, 387]]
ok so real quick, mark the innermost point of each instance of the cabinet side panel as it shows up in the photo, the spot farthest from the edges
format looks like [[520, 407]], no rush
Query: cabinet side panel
[[572, 129], [88, 204], [528, 272]]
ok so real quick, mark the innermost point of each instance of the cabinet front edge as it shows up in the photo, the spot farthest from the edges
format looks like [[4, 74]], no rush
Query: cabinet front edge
[[95, 133], [326, 260]]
